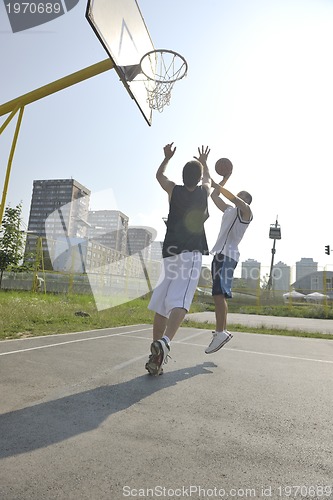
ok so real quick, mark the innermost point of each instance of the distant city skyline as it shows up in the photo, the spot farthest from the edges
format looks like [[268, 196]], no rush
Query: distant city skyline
[[106, 226]]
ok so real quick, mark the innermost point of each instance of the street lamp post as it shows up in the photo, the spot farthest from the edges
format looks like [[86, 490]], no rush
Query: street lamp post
[[274, 234]]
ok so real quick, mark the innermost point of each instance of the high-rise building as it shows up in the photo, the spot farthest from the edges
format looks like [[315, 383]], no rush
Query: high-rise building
[[109, 228], [305, 266], [281, 277], [156, 250], [59, 209], [139, 239], [251, 272]]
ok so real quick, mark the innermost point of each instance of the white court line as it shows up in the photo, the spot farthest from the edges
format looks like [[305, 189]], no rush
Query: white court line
[[138, 358], [129, 362], [71, 342], [189, 337], [285, 356], [69, 333], [281, 355], [183, 342]]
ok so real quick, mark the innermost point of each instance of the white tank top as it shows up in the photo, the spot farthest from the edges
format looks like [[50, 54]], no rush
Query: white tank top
[[231, 233]]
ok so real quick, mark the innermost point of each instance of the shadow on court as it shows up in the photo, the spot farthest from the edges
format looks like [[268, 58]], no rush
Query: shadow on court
[[47, 423]]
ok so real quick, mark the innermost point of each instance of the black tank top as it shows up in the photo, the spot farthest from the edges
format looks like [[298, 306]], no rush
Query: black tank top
[[185, 225]]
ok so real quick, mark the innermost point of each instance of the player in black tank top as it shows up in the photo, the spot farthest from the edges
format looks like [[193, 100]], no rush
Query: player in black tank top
[[185, 225], [183, 246]]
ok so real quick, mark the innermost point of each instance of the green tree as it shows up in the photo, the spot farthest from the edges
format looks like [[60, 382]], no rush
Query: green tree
[[11, 239]]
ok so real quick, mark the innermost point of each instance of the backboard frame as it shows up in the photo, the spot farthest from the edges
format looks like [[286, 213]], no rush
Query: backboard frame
[[134, 86]]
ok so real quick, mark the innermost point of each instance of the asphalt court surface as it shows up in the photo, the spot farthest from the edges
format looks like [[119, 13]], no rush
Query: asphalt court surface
[[80, 418]]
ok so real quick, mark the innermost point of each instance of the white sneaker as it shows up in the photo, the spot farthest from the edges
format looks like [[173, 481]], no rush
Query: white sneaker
[[159, 356], [218, 341]]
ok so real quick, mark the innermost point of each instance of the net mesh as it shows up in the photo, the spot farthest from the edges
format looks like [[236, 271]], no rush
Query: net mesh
[[159, 96], [162, 69]]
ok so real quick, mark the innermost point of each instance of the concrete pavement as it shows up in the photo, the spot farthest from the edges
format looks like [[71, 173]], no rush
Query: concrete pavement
[[257, 321], [81, 420]]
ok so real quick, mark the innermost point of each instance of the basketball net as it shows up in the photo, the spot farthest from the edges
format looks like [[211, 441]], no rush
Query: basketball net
[[162, 68]]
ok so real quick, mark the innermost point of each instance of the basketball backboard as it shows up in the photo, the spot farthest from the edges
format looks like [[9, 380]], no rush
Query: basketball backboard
[[121, 29]]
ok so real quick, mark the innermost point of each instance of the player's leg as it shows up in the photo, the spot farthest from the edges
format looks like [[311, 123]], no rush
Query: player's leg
[[175, 320], [155, 360], [222, 274], [221, 311], [184, 274], [218, 292], [159, 326], [157, 304], [160, 347]]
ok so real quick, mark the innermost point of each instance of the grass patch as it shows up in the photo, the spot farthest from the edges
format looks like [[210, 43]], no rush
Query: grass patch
[[316, 311], [27, 314]]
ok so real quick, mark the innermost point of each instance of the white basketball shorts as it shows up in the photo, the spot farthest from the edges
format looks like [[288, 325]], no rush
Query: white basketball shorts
[[177, 283]]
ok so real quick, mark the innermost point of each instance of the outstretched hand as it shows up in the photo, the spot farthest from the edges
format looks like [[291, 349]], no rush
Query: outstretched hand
[[168, 151], [203, 154]]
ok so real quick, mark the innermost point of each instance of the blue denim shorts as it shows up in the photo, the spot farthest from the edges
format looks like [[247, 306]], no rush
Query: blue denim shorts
[[223, 273]]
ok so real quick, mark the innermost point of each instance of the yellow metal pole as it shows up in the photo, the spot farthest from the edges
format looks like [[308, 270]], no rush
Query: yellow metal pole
[[9, 165], [37, 264], [71, 274], [12, 114], [325, 288], [258, 290], [57, 85], [42, 260], [19, 103]]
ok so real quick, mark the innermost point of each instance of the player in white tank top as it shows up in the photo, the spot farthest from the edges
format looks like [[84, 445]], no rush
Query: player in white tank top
[[235, 221], [232, 230]]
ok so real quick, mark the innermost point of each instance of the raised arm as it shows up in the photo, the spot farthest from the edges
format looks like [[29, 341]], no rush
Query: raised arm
[[166, 183], [244, 208], [203, 155], [221, 204]]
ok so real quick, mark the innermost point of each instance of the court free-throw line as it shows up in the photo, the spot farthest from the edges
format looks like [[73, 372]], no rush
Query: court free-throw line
[[138, 358], [51, 335], [71, 342], [183, 341], [285, 356], [129, 362], [281, 355]]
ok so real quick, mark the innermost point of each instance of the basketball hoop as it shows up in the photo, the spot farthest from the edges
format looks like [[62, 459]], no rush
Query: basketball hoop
[[162, 68]]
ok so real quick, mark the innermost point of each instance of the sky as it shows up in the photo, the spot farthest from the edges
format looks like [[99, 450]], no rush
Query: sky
[[259, 91]]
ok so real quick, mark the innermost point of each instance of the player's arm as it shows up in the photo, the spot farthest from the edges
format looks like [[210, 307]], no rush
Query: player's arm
[[244, 208], [222, 182], [221, 204], [206, 179], [166, 183]]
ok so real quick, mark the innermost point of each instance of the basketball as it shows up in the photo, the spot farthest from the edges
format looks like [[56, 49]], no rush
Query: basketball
[[223, 167]]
